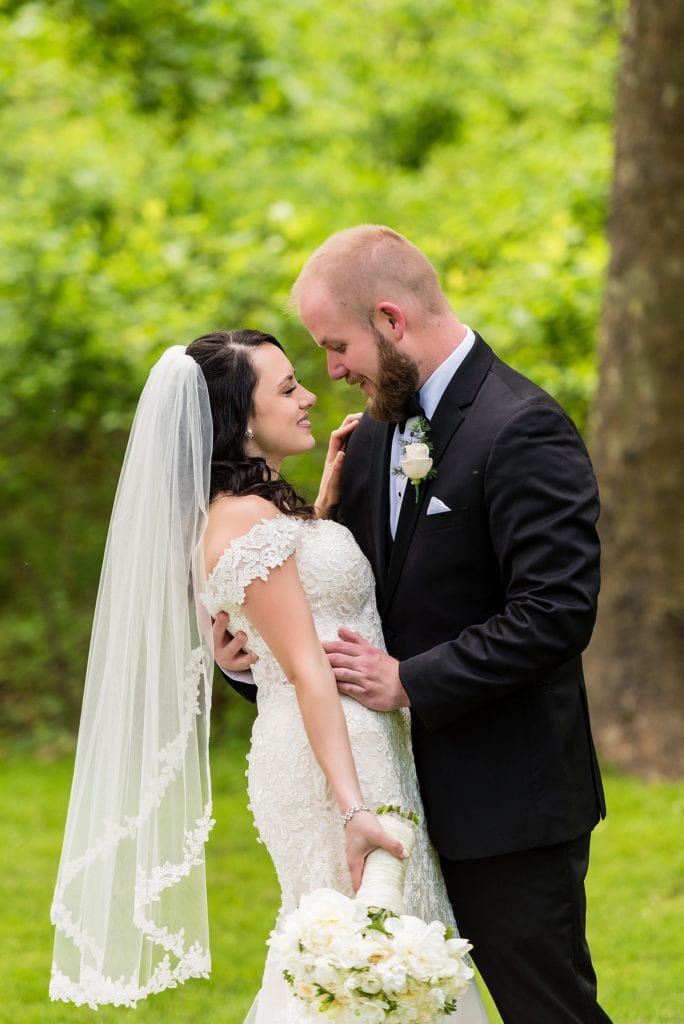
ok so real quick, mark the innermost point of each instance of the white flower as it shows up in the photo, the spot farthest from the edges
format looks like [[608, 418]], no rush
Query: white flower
[[437, 997], [393, 975], [408, 1015], [305, 990], [368, 981], [323, 974], [349, 950], [422, 948], [416, 462], [371, 1011], [458, 947], [404, 972], [324, 917]]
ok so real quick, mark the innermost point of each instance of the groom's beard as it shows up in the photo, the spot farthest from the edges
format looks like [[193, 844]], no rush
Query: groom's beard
[[398, 379]]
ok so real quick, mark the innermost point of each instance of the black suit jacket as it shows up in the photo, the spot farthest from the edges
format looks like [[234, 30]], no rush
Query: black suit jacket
[[488, 607]]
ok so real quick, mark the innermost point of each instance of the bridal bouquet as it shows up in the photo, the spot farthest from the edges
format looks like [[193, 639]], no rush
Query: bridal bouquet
[[363, 958]]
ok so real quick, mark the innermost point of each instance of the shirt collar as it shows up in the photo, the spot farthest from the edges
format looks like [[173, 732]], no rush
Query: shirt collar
[[436, 384]]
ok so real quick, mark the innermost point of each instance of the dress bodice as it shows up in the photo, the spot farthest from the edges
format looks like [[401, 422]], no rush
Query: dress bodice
[[335, 575]]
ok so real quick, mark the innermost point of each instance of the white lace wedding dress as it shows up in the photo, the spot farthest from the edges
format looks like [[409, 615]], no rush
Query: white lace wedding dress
[[293, 807]]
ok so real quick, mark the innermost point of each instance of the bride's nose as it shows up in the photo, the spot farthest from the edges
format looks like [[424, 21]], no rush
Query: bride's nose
[[308, 399]]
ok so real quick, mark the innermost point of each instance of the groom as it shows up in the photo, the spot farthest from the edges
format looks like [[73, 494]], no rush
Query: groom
[[487, 577]]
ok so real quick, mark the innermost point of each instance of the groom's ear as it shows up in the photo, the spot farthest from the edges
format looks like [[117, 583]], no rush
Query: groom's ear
[[389, 314]]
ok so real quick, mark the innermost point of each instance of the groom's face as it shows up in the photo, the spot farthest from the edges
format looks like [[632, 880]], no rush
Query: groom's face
[[360, 354], [349, 345]]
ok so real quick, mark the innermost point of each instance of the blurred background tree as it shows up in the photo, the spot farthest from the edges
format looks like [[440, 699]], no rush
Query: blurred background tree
[[168, 166], [636, 658]]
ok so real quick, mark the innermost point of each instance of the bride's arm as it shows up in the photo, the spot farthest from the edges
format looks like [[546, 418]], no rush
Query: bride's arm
[[279, 610]]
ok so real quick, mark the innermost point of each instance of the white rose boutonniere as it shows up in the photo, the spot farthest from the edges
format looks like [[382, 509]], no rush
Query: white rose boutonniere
[[416, 462]]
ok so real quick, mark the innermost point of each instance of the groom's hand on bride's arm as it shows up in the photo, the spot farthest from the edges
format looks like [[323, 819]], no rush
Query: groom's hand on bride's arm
[[366, 673]]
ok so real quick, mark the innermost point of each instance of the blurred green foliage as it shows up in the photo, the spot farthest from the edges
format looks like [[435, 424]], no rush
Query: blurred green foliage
[[167, 167]]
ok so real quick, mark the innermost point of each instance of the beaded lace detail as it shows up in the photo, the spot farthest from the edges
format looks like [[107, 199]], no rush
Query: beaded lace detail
[[250, 557], [292, 804]]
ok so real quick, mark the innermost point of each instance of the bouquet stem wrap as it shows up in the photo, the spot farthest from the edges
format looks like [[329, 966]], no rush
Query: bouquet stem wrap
[[384, 874]]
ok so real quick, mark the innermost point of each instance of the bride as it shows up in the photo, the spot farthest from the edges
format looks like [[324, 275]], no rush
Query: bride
[[203, 523]]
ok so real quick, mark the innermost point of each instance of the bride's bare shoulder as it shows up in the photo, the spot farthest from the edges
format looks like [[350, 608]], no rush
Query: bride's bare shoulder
[[237, 513], [232, 516]]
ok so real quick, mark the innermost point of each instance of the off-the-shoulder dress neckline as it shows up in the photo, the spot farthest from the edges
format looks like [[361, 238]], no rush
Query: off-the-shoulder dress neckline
[[226, 551]]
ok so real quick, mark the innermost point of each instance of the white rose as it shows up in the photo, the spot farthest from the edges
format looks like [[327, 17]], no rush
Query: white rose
[[416, 463], [368, 982], [371, 1011], [324, 917]]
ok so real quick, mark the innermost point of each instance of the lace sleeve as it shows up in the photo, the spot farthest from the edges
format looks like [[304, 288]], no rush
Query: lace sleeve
[[268, 544]]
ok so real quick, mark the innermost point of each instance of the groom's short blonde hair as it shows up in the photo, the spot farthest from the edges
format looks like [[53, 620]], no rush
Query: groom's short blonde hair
[[367, 264]]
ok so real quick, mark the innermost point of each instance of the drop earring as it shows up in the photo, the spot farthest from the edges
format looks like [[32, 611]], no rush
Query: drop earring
[[249, 434]]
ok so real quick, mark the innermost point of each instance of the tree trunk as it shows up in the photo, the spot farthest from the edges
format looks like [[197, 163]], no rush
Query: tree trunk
[[636, 659]]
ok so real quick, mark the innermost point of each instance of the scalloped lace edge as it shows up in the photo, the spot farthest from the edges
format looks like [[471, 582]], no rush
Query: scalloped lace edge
[[281, 531], [94, 988]]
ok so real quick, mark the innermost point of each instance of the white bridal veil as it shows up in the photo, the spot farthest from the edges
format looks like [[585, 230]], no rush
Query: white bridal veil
[[130, 907]]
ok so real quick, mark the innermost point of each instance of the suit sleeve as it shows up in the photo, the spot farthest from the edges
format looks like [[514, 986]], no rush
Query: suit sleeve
[[542, 507], [242, 686]]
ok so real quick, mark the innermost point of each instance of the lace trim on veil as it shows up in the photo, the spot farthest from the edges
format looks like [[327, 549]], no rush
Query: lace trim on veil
[[93, 988]]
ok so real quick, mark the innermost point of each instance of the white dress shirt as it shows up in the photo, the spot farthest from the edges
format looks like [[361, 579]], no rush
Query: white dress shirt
[[430, 395]]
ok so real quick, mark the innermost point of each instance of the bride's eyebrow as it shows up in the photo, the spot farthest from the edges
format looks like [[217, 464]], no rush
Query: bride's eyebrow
[[290, 376]]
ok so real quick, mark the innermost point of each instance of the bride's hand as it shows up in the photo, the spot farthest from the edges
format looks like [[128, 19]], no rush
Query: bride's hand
[[329, 491], [362, 835]]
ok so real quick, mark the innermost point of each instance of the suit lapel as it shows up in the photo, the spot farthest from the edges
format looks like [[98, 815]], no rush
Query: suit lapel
[[446, 420]]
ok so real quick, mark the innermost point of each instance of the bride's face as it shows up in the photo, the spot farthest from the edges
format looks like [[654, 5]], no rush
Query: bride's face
[[280, 420]]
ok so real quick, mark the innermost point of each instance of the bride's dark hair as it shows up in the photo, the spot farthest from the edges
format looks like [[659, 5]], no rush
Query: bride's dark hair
[[225, 360]]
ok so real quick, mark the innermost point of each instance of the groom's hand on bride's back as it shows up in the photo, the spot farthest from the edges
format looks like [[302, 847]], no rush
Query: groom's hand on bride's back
[[229, 652], [366, 673]]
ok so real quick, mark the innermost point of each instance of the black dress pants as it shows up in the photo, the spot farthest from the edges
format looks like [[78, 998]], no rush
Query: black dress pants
[[525, 913]]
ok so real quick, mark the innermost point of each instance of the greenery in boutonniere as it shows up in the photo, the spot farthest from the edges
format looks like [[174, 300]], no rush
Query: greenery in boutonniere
[[416, 462]]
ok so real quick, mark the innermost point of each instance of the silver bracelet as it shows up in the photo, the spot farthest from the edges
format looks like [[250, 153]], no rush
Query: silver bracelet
[[350, 812]]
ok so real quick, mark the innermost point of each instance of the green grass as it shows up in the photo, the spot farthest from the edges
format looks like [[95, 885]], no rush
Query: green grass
[[635, 891]]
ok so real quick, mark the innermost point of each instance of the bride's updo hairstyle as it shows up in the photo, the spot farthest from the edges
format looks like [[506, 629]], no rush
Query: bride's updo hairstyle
[[226, 362]]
